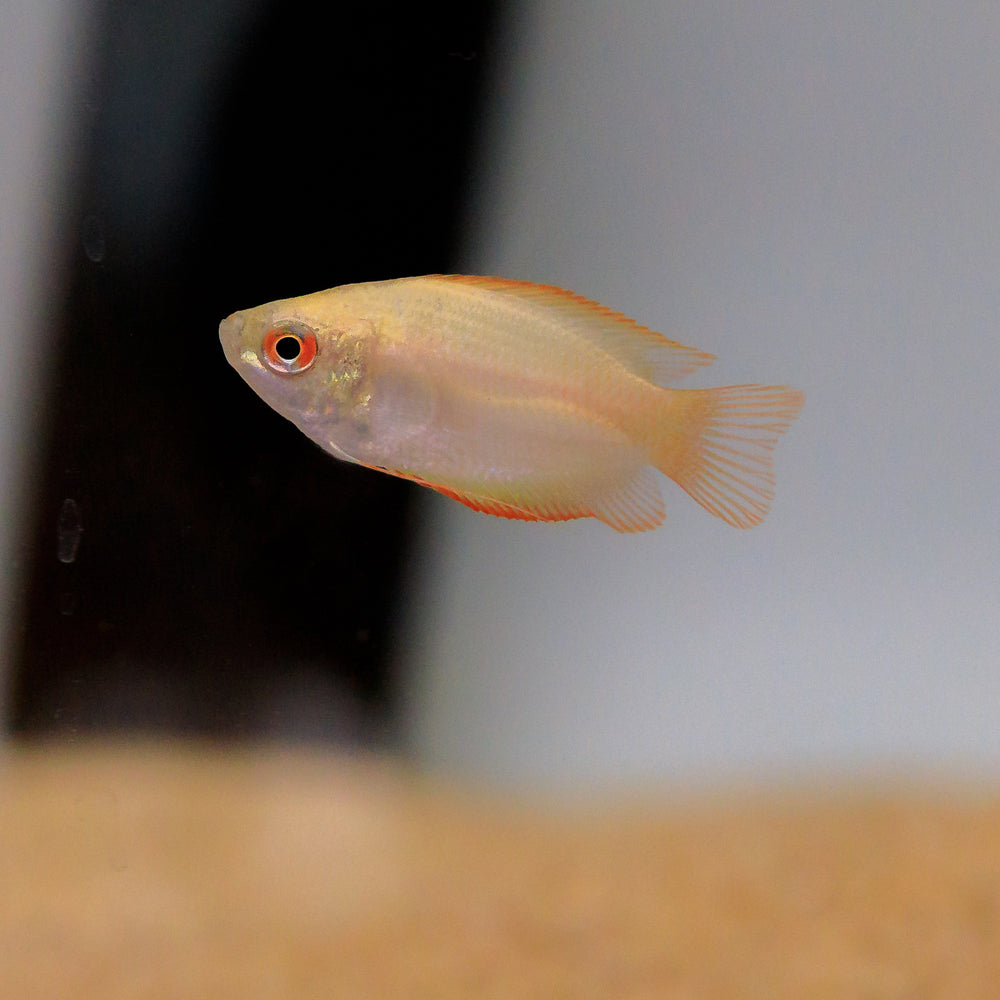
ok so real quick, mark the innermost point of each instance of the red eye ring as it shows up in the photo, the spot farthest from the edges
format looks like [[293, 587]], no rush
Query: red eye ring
[[289, 348]]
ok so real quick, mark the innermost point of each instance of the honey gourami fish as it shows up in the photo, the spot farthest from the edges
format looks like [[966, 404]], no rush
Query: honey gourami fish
[[520, 400]]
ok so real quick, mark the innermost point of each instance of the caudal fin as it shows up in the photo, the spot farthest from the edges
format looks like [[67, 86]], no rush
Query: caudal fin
[[720, 448]]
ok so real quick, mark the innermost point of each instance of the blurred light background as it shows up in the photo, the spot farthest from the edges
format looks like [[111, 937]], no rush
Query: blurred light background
[[43, 55], [811, 192]]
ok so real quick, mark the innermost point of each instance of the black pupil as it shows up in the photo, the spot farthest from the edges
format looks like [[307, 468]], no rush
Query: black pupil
[[288, 347]]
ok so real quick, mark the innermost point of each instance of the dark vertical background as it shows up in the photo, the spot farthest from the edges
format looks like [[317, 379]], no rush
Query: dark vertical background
[[213, 571]]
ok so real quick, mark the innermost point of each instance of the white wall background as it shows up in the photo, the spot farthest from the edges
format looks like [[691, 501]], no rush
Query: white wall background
[[812, 192]]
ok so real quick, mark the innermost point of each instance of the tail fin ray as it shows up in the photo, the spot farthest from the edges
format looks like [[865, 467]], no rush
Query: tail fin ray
[[720, 452]]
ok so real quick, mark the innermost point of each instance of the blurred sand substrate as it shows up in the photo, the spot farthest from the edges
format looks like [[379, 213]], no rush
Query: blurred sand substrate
[[164, 871]]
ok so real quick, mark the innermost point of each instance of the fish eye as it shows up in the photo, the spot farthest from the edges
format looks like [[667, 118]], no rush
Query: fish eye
[[289, 348]]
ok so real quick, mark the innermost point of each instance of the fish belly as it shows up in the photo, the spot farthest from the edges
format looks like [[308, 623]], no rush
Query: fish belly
[[512, 440]]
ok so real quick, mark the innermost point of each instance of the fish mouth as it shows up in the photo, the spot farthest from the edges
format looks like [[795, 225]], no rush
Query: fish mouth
[[230, 330], [231, 325]]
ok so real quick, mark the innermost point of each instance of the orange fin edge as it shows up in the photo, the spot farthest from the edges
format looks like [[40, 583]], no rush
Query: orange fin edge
[[637, 507], [486, 505]]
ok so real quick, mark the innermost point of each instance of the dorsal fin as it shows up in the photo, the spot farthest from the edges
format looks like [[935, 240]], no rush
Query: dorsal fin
[[643, 351]]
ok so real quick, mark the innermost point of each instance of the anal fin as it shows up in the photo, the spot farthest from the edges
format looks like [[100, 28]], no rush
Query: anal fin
[[630, 506]]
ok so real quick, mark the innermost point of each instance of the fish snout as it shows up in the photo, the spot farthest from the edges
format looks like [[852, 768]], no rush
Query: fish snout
[[231, 326], [230, 334]]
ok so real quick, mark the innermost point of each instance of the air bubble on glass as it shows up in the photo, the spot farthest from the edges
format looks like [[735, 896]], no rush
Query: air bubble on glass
[[70, 530]]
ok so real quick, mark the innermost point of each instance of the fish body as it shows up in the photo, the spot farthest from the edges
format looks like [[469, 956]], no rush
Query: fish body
[[520, 400]]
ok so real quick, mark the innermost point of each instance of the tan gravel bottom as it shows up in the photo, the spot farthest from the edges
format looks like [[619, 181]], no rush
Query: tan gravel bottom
[[180, 872]]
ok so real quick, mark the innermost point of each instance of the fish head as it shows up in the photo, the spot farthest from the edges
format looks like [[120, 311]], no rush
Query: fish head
[[311, 365]]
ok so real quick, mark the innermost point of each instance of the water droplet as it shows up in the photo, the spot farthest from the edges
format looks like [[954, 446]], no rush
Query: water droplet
[[70, 530], [92, 237]]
